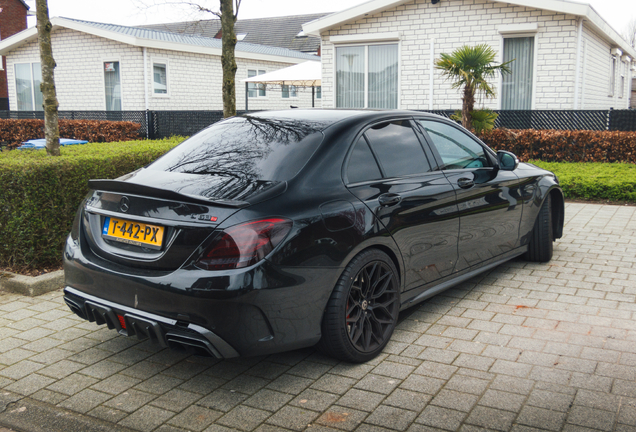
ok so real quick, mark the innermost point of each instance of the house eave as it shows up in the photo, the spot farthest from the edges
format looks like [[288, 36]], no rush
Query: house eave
[[26, 36], [582, 10]]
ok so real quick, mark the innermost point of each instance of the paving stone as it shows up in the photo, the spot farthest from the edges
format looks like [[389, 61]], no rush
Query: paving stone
[[442, 418], [466, 384], [72, 384], [361, 400], [409, 400], [268, 370], [293, 418], [158, 384], [146, 418], [290, 384], [49, 396], [550, 400], [130, 400], [246, 384], [591, 418], [29, 384], [61, 369], [176, 400], [197, 418], [491, 418], [455, 400], [334, 383], [502, 400], [222, 400], [378, 384], [84, 401], [314, 400], [424, 384], [541, 418], [110, 415], [391, 417], [115, 384], [342, 418]]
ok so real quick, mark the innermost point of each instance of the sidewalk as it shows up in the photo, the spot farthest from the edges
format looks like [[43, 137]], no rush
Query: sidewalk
[[525, 347]]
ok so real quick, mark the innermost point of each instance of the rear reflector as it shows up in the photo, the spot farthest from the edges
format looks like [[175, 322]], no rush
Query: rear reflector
[[122, 321]]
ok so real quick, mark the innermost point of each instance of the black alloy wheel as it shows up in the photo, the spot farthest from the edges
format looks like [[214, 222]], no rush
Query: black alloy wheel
[[363, 309]]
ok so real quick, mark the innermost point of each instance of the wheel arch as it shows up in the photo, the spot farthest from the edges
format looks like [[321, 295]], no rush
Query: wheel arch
[[558, 212]]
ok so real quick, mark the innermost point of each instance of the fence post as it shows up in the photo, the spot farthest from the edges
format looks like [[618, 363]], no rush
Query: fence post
[[609, 119]]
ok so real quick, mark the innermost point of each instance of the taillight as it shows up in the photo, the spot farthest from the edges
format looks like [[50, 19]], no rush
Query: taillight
[[243, 245]]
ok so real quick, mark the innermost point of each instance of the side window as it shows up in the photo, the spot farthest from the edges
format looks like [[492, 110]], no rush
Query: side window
[[456, 149], [398, 149], [362, 165]]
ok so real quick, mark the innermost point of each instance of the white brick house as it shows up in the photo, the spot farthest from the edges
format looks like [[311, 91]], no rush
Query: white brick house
[[381, 54], [109, 67]]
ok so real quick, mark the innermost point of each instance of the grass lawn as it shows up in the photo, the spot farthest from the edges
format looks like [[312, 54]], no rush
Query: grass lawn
[[595, 181]]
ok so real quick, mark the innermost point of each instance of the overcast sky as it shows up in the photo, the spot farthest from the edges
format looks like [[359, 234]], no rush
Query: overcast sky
[[126, 12]]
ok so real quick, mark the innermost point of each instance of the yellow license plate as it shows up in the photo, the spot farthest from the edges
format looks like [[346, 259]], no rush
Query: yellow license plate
[[135, 233]]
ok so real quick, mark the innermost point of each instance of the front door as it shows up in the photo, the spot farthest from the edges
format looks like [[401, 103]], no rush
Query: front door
[[488, 199], [389, 170]]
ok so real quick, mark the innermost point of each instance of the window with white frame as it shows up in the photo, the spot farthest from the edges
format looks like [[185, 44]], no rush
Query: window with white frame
[[613, 63], [621, 93], [255, 89], [516, 91], [160, 78], [28, 77], [367, 76], [112, 86], [289, 91]]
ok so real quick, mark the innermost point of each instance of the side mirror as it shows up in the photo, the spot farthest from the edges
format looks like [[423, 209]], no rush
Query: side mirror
[[507, 161]]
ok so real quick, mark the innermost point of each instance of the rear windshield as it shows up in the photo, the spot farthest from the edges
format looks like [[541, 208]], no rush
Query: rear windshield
[[246, 147]]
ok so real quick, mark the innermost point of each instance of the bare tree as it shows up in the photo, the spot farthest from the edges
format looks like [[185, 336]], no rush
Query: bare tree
[[51, 127], [227, 13], [629, 32]]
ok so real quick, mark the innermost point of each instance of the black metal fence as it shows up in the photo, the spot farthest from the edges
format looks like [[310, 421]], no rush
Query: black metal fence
[[161, 124]]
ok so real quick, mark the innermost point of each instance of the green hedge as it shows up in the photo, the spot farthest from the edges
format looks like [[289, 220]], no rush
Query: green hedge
[[595, 181], [39, 194]]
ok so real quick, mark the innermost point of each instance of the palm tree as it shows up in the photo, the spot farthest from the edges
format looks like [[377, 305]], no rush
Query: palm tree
[[471, 68]]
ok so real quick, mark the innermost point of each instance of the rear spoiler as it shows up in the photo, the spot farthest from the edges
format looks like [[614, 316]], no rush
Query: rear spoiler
[[125, 187]]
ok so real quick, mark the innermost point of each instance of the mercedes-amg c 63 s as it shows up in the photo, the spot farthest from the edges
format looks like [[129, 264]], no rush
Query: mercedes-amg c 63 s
[[281, 230]]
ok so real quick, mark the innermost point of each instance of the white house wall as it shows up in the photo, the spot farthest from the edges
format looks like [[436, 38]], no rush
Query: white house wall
[[194, 80], [453, 23]]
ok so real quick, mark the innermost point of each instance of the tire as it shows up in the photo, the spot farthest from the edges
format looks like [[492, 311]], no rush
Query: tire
[[541, 244], [362, 311]]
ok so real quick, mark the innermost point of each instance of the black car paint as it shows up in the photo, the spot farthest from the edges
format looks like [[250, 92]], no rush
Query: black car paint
[[277, 304]]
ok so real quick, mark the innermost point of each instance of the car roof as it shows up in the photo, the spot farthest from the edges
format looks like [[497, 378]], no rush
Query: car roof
[[321, 118]]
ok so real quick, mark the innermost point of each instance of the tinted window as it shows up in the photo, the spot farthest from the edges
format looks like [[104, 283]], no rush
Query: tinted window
[[249, 148], [398, 149], [362, 165], [456, 148]]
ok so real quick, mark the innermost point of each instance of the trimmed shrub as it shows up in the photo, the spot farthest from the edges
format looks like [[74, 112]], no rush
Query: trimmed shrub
[[595, 181], [14, 132], [39, 194], [564, 146]]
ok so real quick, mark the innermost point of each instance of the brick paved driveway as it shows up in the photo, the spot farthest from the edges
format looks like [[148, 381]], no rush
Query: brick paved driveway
[[523, 347]]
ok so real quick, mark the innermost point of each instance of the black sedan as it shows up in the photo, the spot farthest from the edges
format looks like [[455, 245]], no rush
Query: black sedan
[[281, 230]]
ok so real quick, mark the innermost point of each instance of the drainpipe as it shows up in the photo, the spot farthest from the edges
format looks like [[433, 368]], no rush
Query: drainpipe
[[431, 76], [145, 50], [577, 69]]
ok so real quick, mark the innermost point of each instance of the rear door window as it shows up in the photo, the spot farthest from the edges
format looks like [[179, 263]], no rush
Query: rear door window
[[362, 164], [397, 149]]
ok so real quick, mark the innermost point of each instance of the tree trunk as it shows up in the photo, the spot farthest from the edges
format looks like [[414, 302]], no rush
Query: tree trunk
[[228, 18], [468, 102], [51, 128]]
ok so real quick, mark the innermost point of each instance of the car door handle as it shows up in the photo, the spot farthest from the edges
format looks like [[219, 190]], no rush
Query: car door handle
[[389, 199], [465, 183]]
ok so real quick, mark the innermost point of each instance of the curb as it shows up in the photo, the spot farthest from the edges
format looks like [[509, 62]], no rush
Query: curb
[[31, 285]]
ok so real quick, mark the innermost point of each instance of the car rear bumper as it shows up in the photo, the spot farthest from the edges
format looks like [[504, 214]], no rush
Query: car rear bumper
[[254, 311], [161, 330]]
